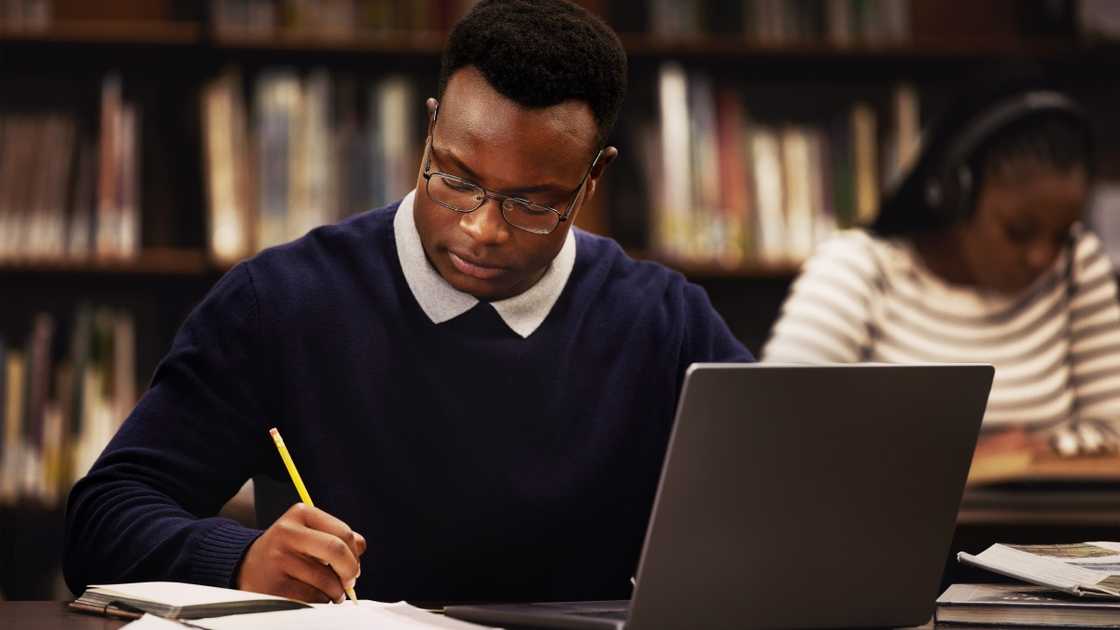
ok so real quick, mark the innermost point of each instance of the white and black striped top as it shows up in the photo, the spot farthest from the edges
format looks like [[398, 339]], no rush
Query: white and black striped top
[[1055, 345]]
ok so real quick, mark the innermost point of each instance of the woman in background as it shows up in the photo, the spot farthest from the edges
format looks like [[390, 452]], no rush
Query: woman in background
[[978, 255]]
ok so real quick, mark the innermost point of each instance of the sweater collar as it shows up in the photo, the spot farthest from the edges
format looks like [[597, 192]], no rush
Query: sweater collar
[[442, 302]]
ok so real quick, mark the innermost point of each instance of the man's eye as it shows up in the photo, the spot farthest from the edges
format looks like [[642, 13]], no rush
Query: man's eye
[[534, 209], [458, 186]]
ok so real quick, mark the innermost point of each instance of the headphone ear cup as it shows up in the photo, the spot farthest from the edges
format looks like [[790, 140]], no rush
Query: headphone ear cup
[[949, 196], [958, 194]]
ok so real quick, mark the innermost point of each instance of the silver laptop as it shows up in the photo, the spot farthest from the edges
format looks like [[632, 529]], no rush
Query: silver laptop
[[796, 497]]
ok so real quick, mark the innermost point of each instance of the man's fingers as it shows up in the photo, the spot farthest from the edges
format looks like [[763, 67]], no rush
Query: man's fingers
[[295, 589], [327, 549], [324, 522], [315, 574]]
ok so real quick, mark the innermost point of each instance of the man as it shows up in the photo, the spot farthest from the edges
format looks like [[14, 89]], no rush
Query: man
[[480, 391]]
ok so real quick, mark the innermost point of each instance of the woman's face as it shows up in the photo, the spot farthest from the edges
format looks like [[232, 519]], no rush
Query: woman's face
[[1021, 224]]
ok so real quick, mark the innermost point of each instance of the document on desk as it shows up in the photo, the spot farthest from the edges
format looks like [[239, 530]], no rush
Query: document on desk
[[365, 615]]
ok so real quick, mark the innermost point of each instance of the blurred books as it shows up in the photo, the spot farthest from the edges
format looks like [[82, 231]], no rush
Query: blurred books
[[840, 22], [730, 189], [308, 150], [61, 400], [335, 18], [68, 193]]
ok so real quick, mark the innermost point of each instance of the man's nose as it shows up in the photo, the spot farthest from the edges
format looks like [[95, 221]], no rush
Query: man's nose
[[486, 225]]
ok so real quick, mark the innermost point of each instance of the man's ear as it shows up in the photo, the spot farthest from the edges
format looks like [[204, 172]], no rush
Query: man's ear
[[608, 156]]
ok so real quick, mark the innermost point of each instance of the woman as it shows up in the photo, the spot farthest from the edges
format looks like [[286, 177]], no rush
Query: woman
[[978, 255]]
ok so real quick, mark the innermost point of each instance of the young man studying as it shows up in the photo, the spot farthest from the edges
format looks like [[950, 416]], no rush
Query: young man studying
[[478, 396]]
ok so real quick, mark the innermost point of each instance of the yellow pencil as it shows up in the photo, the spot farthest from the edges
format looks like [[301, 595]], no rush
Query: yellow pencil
[[298, 481]]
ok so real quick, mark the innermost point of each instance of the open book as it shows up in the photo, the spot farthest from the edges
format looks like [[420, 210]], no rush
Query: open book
[[1082, 569]]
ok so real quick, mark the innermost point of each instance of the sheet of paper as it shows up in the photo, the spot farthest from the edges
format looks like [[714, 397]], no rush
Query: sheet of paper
[[366, 614], [152, 622], [179, 593]]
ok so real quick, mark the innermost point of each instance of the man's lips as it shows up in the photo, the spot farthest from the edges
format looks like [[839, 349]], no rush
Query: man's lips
[[474, 270]]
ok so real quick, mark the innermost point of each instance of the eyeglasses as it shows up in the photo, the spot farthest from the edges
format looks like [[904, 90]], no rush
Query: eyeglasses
[[460, 195]]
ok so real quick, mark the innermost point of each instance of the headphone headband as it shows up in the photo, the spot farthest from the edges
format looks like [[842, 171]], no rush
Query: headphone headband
[[950, 186]]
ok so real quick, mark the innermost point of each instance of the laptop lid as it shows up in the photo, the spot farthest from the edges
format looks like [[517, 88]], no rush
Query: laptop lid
[[809, 496]]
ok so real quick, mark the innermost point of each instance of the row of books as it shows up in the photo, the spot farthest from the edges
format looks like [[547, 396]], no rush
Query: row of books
[[306, 151], [749, 191], [335, 18], [67, 192], [1099, 19], [28, 15], [841, 22], [57, 414]]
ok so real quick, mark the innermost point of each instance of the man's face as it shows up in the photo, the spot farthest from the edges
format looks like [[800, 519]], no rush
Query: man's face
[[537, 154], [1021, 224]]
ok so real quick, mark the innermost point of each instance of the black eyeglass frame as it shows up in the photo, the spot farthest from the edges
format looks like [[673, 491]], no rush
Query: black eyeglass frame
[[499, 197]]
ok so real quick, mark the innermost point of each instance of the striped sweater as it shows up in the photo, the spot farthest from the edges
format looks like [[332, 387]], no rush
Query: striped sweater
[[1055, 345]]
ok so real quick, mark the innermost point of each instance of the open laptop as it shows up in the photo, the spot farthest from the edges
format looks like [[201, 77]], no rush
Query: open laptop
[[796, 496]]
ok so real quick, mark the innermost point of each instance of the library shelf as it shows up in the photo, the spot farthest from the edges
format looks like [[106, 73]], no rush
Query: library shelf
[[108, 32], [153, 261], [939, 49], [423, 44], [711, 269]]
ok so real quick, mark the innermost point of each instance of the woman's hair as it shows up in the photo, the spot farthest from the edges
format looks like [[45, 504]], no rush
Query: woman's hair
[[1051, 139]]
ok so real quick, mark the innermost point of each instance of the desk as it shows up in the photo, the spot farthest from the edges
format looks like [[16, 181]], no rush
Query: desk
[[50, 616], [55, 616]]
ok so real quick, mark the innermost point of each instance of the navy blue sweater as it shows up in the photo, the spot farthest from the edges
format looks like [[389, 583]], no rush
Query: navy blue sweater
[[477, 464]]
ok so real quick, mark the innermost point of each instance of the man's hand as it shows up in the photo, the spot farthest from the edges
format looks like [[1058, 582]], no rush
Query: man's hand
[[307, 555]]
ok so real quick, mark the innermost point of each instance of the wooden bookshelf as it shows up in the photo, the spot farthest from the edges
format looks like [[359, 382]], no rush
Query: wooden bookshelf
[[109, 32], [423, 44], [700, 270], [150, 262], [645, 46]]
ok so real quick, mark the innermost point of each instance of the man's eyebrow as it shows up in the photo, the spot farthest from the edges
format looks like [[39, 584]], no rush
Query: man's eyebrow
[[445, 154]]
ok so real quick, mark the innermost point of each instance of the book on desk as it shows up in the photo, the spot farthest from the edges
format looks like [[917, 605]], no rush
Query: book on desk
[[1017, 604], [1070, 585]]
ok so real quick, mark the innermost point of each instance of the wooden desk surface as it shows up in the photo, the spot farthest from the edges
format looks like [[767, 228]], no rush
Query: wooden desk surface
[[55, 616], [51, 616]]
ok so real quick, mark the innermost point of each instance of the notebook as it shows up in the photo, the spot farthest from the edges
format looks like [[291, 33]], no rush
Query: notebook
[[176, 600]]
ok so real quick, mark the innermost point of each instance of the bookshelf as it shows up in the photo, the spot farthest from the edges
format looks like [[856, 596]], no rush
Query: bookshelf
[[108, 32], [162, 262], [169, 53]]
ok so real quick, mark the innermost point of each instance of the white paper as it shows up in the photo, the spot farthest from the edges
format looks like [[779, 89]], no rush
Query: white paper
[[152, 622], [366, 614]]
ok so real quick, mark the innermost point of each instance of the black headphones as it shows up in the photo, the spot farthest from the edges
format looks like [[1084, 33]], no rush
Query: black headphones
[[949, 189]]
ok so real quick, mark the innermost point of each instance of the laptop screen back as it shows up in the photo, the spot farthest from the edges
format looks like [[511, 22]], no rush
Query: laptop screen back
[[809, 496]]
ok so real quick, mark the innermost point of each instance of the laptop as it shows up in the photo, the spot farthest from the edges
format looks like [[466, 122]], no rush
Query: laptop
[[796, 497]]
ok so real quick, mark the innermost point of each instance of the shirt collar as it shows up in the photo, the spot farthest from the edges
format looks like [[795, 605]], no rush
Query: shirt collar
[[442, 302]]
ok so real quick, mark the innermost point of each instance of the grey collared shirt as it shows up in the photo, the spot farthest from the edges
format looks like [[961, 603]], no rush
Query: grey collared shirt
[[441, 302]]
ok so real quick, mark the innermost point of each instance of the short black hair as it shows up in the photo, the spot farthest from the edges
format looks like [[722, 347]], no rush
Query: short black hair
[[540, 53], [1054, 140]]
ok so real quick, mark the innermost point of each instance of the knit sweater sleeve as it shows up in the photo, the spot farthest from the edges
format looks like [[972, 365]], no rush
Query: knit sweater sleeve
[[147, 508], [707, 338]]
